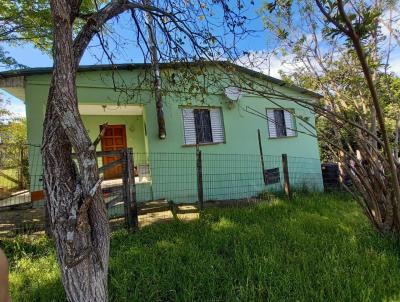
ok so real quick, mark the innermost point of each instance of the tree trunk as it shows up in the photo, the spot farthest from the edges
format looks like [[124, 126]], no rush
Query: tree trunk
[[397, 139], [162, 133], [374, 75], [352, 34], [77, 213]]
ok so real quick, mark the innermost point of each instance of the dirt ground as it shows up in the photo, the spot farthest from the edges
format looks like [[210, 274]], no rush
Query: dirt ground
[[23, 221]]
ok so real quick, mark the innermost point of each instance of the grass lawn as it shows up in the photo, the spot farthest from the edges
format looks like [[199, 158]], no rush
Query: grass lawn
[[6, 183], [316, 248]]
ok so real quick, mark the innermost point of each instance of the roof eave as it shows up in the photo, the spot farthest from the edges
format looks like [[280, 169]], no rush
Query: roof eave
[[14, 86], [47, 70]]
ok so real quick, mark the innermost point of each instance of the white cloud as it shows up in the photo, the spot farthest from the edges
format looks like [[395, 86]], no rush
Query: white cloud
[[385, 23], [395, 65], [12, 104], [268, 63], [17, 109], [260, 61]]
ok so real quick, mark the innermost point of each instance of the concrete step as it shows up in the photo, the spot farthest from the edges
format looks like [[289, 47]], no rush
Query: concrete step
[[154, 207]]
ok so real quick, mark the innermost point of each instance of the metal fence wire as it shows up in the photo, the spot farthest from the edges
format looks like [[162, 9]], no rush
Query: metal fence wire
[[166, 185]]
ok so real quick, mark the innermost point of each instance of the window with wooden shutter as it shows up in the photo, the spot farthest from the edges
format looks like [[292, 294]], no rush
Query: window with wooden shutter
[[189, 126], [289, 124], [217, 126], [203, 125], [271, 123], [280, 123]]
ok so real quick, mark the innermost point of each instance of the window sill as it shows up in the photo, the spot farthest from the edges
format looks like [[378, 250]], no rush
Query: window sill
[[204, 144], [283, 137]]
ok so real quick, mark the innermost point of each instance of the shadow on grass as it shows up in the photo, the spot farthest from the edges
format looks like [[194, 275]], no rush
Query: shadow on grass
[[315, 248]]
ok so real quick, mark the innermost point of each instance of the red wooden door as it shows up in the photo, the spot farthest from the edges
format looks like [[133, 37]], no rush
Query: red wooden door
[[114, 139]]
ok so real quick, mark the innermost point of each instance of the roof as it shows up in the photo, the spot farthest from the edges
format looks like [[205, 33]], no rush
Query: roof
[[133, 66]]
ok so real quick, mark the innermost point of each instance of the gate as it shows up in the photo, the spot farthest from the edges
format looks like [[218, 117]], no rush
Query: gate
[[121, 190]]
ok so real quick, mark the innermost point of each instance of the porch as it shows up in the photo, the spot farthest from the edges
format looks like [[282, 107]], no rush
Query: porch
[[125, 129]]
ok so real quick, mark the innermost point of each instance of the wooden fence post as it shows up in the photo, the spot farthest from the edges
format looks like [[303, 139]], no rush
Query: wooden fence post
[[199, 178], [21, 169], [286, 179], [129, 193], [261, 155]]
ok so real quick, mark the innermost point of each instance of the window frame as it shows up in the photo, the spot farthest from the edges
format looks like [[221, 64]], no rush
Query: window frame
[[293, 119], [209, 108], [201, 128]]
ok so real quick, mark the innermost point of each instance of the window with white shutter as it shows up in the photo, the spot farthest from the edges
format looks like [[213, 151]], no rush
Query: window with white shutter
[[189, 126], [217, 126], [203, 125], [280, 123]]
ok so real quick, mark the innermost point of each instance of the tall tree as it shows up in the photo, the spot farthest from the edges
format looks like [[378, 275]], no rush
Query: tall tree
[[340, 46], [76, 207]]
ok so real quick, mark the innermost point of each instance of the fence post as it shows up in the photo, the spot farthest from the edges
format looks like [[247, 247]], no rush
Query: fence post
[[286, 180], [261, 155], [199, 178], [21, 169], [130, 205]]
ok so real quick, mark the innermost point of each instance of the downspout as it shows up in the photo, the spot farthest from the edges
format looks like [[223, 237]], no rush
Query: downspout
[[156, 72]]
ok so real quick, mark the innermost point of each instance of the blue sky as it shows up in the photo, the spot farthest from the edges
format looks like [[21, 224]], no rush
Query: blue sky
[[31, 57], [128, 53]]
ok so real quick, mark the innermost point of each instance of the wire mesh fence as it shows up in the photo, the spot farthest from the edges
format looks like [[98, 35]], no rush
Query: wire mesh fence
[[20, 174], [167, 186]]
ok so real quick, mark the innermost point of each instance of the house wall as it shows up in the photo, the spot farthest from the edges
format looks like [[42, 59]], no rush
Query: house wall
[[240, 137], [227, 174]]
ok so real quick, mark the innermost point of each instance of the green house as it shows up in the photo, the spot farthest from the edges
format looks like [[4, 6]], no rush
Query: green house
[[220, 106]]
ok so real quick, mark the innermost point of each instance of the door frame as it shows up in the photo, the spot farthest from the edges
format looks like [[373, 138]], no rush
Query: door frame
[[106, 159]]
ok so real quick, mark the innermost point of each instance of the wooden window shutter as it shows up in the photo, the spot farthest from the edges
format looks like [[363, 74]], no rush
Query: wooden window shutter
[[189, 127], [271, 123], [289, 124], [217, 126]]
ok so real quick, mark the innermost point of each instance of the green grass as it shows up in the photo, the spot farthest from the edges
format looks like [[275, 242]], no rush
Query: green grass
[[6, 183], [316, 248]]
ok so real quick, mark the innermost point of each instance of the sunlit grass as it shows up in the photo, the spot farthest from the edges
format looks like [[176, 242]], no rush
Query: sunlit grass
[[315, 248], [7, 183]]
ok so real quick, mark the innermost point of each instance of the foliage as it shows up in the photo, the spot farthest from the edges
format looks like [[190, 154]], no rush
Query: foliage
[[13, 149], [27, 21], [315, 248], [323, 60], [343, 79], [339, 48], [24, 21], [13, 137], [14, 132]]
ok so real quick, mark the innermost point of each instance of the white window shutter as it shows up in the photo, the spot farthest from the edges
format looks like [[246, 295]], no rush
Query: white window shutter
[[217, 126], [271, 123], [189, 127], [289, 123]]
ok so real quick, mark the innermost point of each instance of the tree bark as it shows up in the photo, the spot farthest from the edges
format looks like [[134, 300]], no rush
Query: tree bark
[[77, 213], [374, 74], [397, 139], [162, 133], [75, 205]]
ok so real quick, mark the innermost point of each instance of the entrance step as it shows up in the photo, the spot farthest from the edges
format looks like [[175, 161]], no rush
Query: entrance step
[[154, 211], [154, 206], [186, 209], [186, 212]]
